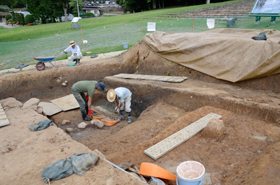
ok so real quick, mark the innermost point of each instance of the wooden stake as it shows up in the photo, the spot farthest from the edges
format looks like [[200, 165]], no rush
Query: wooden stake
[[82, 39], [1, 65], [192, 22], [140, 30]]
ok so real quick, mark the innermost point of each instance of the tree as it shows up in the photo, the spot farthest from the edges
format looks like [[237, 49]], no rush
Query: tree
[[73, 4], [65, 6]]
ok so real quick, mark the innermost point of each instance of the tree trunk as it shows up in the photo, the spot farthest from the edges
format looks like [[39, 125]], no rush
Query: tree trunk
[[159, 4], [154, 4], [65, 7], [162, 3], [207, 1]]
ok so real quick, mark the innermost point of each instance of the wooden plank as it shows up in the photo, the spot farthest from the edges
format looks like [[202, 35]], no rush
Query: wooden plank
[[168, 144]]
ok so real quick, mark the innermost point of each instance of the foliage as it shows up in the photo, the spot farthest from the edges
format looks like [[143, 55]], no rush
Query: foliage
[[21, 19], [101, 12], [46, 9], [73, 4], [29, 19], [88, 15], [14, 3], [3, 10], [10, 21], [8, 16]]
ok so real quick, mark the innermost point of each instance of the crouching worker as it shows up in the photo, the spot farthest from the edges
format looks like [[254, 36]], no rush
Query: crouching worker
[[121, 97], [78, 90], [76, 52]]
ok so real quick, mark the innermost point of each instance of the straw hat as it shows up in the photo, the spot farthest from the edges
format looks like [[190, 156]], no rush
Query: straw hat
[[72, 43], [111, 95]]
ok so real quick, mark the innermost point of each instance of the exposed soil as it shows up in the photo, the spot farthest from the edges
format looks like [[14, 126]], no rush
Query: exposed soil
[[248, 153]]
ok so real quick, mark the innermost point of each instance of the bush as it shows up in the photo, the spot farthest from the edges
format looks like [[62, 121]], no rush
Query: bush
[[29, 19], [88, 15], [101, 12], [8, 16], [3, 10]]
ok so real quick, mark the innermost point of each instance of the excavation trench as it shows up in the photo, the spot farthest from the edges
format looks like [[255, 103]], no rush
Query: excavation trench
[[159, 109]]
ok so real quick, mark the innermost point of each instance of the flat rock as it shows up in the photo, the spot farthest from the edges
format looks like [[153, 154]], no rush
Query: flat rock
[[65, 122], [49, 108], [82, 125], [69, 130], [98, 123], [10, 103], [39, 110], [66, 103], [31, 102]]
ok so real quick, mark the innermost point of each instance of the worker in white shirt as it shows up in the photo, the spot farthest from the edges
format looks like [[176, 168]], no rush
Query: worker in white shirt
[[76, 52], [121, 97]]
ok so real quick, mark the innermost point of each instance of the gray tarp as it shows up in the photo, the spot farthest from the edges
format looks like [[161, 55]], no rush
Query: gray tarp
[[228, 54], [41, 125], [78, 164]]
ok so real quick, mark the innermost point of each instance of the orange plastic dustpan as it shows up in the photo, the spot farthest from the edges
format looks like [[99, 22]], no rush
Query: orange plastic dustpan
[[98, 118], [109, 123], [153, 170]]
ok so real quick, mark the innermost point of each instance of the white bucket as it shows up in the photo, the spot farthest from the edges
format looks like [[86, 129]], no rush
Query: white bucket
[[190, 173], [125, 45]]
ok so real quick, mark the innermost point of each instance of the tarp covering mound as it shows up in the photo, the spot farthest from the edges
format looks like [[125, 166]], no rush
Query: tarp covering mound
[[228, 54]]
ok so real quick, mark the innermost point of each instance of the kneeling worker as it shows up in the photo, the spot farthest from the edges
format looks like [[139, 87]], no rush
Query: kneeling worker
[[123, 96], [78, 90], [76, 52]]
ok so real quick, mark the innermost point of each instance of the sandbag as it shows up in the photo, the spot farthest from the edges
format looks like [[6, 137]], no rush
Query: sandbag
[[57, 170], [78, 164], [82, 162], [261, 36], [41, 125]]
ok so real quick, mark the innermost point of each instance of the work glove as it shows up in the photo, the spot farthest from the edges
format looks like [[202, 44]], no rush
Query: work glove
[[117, 110]]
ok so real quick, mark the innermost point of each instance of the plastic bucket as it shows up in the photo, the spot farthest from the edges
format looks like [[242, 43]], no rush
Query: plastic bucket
[[125, 45], [190, 173]]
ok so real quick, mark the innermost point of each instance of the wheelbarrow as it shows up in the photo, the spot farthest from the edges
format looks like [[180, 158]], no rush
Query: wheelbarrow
[[40, 66]]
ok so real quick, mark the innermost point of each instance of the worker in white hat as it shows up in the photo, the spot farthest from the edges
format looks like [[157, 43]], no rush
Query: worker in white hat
[[76, 52], [121, 97]]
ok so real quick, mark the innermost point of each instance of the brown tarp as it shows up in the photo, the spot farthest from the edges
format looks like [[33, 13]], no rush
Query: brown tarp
[[228, 54]]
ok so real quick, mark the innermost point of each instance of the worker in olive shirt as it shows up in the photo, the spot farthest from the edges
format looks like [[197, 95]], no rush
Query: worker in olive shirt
[[78, 90]]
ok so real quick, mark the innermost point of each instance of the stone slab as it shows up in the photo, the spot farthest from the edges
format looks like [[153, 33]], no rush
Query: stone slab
[[49, 108], [3, 118], [66, 103], [4, 122], [168, 144], [152, 77]]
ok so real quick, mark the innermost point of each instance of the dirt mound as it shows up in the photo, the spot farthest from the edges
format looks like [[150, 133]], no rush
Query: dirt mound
[[147, 62], [245, 139]]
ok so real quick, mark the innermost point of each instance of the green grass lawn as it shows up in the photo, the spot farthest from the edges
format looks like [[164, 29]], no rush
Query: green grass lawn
[[105, 34], [39, 31]]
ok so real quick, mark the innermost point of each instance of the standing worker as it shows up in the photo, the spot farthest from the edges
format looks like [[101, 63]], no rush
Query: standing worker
[[76, 52], [78, 90], [123, 96]]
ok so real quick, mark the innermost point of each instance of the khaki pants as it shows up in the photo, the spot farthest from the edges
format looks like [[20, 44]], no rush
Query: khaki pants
[[73, 57]]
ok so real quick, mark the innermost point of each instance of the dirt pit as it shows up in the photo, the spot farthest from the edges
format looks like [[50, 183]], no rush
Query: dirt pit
[[229, 160]]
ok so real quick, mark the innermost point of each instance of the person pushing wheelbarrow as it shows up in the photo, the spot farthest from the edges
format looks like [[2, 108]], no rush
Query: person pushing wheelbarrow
[[76, 52], [78, 90]]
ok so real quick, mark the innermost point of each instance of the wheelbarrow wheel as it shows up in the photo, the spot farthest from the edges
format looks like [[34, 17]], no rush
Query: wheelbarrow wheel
[[40, 66]]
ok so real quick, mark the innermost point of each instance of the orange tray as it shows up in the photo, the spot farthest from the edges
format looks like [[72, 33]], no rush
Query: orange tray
[[153, 170]]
